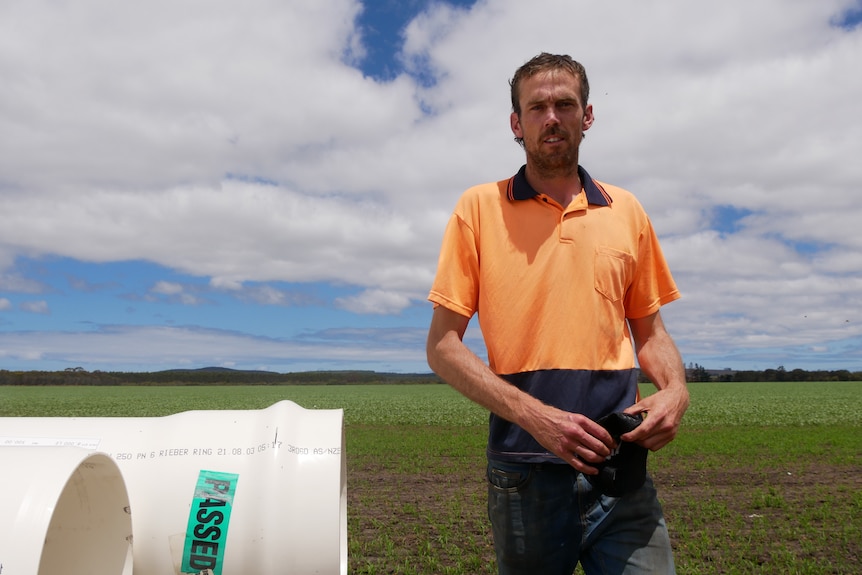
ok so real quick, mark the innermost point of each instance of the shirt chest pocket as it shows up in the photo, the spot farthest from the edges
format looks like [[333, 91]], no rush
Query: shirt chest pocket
[[613, 270]]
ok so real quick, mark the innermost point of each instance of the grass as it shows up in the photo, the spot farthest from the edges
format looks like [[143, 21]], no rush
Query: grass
[[763, 478], [714, 405]]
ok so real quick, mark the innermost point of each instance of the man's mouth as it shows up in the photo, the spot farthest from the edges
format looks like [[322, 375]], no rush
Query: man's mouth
[[554, 137]]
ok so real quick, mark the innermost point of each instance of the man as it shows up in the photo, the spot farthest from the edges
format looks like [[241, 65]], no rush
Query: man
[[566, 275]]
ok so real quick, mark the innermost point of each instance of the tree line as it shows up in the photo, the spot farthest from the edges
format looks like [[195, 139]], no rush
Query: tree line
[[223, 376], [698, 373]]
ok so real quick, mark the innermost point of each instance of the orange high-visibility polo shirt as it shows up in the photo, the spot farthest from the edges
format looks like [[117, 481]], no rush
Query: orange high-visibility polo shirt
[[553, 287]]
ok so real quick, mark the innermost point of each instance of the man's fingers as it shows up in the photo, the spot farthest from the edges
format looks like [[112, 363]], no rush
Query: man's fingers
[[584, 431], [654, 433], [591, 455], [636, 408], [641, 431], [587, 443], [581, 458], [583, 467]]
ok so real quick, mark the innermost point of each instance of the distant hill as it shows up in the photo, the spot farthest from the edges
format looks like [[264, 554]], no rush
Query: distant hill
[[210, 376]]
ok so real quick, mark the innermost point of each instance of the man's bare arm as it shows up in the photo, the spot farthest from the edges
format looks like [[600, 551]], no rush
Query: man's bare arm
[[660, 360], [572, 437]]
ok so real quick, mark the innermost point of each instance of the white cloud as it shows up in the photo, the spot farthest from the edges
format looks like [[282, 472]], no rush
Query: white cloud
[[167, 288], [173, 292], [5, 304], [37, 306], [268, 295], [241, 144], [151, 348], [14, 282], [375, 301]]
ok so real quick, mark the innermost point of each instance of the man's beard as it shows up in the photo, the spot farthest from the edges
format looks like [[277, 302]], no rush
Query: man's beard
[[561, 163]]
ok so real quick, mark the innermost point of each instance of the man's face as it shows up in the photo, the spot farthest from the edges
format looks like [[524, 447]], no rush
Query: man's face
[[552, 122]]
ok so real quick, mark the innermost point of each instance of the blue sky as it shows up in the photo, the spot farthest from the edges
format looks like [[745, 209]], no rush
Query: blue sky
[[265, 187]]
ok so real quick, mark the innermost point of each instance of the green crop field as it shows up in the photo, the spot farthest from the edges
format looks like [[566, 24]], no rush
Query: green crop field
[[763, 478]]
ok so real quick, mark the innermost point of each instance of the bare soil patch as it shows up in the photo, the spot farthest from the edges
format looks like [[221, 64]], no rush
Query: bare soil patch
[[430, 517]]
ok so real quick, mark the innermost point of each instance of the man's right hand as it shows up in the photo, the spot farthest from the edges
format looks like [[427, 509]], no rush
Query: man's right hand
[[574, 438]]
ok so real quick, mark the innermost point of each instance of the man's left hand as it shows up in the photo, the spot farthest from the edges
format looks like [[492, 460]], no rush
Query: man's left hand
[[663, 413]]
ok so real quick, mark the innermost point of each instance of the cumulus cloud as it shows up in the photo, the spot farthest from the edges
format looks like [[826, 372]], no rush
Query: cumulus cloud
[[243, 144]]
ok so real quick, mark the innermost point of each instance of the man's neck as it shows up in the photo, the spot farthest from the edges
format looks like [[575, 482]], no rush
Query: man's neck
[[562, 188]]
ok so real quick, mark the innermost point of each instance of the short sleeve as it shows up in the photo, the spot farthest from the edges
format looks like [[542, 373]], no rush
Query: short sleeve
[[653, 285], [456, 284]]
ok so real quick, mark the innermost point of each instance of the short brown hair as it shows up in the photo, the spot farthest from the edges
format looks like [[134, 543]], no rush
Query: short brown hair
[[545, 62]]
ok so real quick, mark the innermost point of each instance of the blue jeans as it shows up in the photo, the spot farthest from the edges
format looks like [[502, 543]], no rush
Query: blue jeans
[[547, 517]]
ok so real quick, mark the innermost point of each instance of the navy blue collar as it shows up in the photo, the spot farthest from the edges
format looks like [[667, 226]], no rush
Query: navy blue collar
[[520, 189]]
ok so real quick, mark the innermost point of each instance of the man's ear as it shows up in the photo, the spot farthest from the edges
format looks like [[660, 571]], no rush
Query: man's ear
[[515, 124], [588, 117]]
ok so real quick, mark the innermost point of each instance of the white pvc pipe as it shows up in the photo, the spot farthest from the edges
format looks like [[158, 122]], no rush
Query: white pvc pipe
[[251, 492], [63, 511]]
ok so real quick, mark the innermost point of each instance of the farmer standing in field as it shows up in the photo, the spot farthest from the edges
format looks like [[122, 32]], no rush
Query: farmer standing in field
[[565, 274]]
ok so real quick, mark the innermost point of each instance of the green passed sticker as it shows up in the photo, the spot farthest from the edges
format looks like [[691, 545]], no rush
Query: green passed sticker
[[209, 518]]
